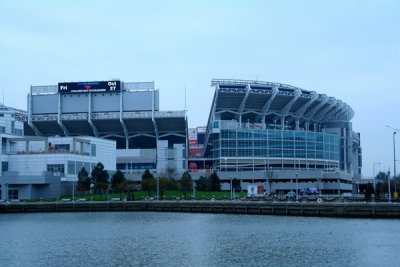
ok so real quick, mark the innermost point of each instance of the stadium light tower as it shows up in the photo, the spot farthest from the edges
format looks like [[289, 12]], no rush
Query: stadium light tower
[[394, 154]]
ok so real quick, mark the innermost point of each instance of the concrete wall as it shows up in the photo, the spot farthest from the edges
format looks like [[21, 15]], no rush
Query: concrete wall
[[101, 102], [31, 187]]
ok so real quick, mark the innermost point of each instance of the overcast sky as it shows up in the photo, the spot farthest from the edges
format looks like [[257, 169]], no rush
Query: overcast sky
[[346, 49]]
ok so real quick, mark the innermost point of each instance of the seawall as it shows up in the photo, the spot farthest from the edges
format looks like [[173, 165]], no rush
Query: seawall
[[336, 209]]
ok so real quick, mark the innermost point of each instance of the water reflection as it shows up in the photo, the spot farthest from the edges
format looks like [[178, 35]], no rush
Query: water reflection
[[181, 239]]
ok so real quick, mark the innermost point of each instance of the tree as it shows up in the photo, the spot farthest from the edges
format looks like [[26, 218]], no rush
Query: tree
[[203, 184], [215, 182], [236, 184], [186, 183], [368, 192], [100, 178], [118, 182], [148, 182], [147, 175], [83, 181], [164, 184], [378, 190]]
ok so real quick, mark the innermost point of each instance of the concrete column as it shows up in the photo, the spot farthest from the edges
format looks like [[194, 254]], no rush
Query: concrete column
[[297, 127]]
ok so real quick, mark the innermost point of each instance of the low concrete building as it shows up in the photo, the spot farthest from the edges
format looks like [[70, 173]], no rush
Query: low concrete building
[[36, 167]]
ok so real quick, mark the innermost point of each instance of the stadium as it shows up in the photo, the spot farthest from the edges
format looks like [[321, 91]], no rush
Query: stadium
[[273, 136], [128, 113], [272, 133]]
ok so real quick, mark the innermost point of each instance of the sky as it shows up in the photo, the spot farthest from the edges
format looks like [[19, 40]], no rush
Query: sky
[[346, 49]]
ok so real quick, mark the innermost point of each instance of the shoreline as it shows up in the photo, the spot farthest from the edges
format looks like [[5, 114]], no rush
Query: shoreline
[[329, 209]]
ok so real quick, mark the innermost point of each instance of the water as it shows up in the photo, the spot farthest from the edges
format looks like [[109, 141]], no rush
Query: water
[[182, 239]]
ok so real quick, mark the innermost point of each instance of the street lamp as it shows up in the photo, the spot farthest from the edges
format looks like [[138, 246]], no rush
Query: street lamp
[[158, 188], [390, 197], [394, 154], [194, 189], [231, 189], [297, 187], [73, 191]]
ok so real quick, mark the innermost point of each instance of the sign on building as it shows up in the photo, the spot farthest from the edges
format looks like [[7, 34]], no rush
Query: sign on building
[[90, 87]]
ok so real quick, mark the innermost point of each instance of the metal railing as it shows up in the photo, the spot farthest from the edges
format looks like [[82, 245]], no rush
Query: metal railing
[[139, 86], [44, 89]]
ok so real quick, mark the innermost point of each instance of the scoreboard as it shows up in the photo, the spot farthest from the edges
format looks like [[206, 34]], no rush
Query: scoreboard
[[90, 87]]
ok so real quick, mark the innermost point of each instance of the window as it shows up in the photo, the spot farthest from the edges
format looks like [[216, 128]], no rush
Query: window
[[71, 167], [93, 150], [19, 132], [215, 124], [121, 166], [79, 166], [56, 169], [12, 193], [4, 166], [62, 147], [3, 146], [86, 165]]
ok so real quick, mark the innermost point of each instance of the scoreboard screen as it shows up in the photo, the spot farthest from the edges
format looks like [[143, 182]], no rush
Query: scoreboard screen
[[90, 87]]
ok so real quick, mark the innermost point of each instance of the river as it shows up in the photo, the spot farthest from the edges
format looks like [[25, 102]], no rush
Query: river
[[183, 239]]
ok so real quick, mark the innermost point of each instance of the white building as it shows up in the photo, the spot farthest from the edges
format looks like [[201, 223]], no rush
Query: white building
[[38, 167]]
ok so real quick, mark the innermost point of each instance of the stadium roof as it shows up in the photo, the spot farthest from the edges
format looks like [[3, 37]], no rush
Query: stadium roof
[[255, 100]]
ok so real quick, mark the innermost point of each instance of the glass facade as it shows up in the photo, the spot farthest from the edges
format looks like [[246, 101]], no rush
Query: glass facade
[[254, 143]]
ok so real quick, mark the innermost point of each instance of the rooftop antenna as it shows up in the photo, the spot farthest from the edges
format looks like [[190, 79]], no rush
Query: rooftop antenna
[[3, 96]]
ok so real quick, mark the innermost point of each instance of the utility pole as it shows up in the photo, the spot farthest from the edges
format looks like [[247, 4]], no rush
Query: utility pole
[[390, 197], [394, 154]]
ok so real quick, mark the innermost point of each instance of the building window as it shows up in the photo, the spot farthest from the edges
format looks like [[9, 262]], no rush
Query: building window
[[2, 129], [4, 166], [56, 169], [86, 165], [71, 167], [121, 166], [3, 146], [12, 193], [93, 152], [62, 147], [79, 166], [19, 132]]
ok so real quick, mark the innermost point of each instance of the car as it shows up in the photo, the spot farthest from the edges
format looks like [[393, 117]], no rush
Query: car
[[309, 191], [291, 195]]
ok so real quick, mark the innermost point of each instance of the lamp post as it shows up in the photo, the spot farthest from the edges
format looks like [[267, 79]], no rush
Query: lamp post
[[231, 189], [394, 154], [158, 188], [390, 197], [297, 187], [194, 190], [73, 191], [394, 160], [269, 176]]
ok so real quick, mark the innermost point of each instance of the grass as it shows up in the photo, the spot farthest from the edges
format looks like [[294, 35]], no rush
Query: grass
[[168, 195]]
